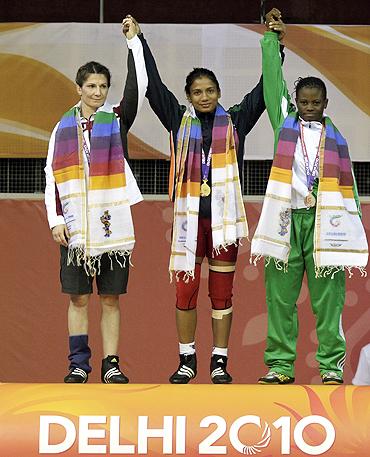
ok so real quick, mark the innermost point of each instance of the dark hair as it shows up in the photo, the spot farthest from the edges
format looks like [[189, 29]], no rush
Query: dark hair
[[200, 73], [310, 81], [89, 68]]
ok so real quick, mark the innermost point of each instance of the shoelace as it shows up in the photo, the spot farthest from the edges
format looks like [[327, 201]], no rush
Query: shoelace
[[331, 374], [280, 376]]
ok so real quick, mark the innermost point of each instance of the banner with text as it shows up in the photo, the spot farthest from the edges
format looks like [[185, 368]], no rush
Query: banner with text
[[154, 420]]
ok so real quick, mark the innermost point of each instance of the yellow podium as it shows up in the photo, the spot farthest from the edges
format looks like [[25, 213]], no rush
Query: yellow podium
[[189, 420]]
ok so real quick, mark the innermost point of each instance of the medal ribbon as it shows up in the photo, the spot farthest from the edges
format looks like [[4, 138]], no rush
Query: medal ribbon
[[310, 174], [86, 149], [206, 164], [87, 125]]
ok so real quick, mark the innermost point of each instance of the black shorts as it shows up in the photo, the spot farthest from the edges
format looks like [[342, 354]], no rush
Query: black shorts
[[75, 281]]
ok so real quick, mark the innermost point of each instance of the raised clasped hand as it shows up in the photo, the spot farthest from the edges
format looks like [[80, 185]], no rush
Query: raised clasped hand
[[275, 23], [130, 27]]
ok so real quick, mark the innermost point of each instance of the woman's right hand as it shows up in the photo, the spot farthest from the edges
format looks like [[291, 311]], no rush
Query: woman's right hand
[[60, 234], [130, 27]]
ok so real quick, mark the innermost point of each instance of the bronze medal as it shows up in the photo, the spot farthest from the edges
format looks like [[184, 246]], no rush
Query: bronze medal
[[205, 190], [310, 200]]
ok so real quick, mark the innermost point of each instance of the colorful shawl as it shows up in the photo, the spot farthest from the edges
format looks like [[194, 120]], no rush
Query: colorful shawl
[[229, 223], [339, 236], [94, 203]]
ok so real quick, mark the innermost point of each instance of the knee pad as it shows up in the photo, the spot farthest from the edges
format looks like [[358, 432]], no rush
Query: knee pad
[[220, 313], [187, 292], [220, 289]]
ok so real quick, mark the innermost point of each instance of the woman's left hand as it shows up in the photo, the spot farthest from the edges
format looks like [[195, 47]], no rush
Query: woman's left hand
[[274, 23]]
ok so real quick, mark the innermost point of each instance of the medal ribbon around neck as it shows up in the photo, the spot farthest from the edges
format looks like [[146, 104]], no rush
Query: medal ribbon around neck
[[205, 190], [85, 147], [310, 174]]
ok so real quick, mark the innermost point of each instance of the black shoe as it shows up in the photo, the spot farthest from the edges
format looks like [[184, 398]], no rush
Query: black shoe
[[187, 369], [76, 376], [219, 375], [110, 371], [276, 378]]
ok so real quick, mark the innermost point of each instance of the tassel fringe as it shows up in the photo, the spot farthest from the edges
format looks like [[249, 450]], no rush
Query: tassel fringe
[[323, 272], [77, 256]]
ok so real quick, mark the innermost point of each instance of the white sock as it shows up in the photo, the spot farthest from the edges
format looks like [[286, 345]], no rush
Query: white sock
[[187, 348], [219, 351]]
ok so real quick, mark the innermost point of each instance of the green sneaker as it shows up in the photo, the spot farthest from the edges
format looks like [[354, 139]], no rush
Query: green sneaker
[[331, 378], [276, 378]]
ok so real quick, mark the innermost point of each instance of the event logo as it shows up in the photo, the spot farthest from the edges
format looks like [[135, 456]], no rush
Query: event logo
[[264, 442], [335, 220], [107, 433], [284, 221], [105, 220]]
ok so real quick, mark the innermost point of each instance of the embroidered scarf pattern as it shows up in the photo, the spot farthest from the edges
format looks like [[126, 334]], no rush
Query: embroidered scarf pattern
[[229, 223], [339, 237], [94, 201]]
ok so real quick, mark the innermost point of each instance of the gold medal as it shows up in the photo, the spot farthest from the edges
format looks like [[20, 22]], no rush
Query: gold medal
[[205, 190], [310, 200]]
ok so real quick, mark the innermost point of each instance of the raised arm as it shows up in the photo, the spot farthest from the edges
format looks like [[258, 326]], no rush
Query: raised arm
[[137, 79], [162, 101], [246, 114], [274, 88]]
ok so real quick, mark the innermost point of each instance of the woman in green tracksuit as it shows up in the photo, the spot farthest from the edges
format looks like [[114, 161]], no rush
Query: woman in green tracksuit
[[296, 235]]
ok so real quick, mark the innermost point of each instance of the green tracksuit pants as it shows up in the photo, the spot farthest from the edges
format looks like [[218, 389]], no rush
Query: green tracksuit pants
[[327, 301]]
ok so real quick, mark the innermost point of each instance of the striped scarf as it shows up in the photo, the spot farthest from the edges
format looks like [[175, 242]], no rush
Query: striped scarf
[[339, 236], [94, 202], [229, 223]]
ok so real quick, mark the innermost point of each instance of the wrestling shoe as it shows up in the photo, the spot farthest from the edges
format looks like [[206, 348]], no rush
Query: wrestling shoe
[[276, 378], [187, 369], [219, 375], [331, 377], [76, 376], [110, 371]]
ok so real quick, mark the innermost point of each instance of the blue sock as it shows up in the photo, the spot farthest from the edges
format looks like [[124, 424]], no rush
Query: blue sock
[[80, 352]]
